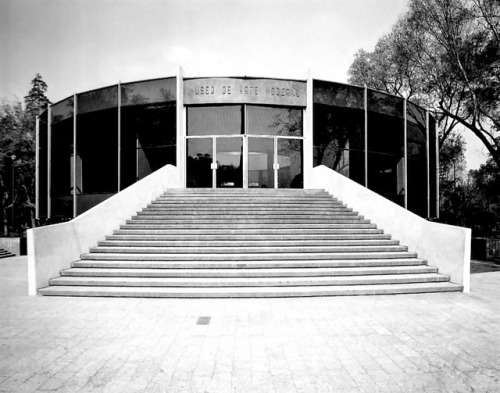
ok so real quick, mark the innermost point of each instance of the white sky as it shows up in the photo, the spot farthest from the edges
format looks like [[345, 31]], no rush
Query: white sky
[[78, 45]]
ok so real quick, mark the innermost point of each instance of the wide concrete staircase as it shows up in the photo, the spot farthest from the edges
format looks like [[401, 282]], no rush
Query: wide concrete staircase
[[248, 243]]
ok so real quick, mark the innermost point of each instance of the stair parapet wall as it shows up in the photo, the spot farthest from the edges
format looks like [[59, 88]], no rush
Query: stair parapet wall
[[444, 246], [53, 248]]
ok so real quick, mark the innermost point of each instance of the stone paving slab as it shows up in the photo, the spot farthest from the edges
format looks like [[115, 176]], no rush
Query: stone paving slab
[[445, 342]]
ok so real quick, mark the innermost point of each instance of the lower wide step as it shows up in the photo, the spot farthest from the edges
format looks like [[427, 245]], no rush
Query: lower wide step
[[250, 292], [260, 282]]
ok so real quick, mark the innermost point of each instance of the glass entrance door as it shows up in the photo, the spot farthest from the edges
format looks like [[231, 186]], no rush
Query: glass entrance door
[[261, 163], [229, 162], [244, 161]]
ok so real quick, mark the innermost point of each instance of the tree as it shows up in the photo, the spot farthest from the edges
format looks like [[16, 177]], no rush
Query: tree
[[17, 151], [444, 54]]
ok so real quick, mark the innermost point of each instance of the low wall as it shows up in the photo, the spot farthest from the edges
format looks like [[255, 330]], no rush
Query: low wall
[[53, 248], [444, 246]]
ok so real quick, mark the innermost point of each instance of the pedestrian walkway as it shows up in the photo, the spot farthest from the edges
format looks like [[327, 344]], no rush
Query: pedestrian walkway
[[445, 342]]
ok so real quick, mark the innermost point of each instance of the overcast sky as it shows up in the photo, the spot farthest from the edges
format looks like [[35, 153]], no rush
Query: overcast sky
[[78, 45]]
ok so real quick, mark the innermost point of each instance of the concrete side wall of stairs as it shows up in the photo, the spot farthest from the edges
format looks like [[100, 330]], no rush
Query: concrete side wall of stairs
[[447, 247], [54, 247]]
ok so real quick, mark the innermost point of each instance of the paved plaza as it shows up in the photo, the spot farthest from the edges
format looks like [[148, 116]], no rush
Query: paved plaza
[[447, 342]]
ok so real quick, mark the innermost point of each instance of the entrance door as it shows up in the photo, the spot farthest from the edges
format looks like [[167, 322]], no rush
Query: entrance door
[[244, 161]]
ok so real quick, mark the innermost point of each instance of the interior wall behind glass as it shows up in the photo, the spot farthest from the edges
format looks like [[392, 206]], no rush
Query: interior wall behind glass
[[386, 146], [61, 158], [417, 159], [42, 164]]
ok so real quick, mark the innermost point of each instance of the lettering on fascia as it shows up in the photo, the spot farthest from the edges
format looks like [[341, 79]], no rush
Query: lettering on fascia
[[208, 90]]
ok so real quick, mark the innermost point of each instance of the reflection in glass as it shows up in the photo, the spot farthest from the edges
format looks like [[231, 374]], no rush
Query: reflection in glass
[[262, 120], [229, 162], [96, 100], [384, 103], [338, 95], [290, 163], [214, 120], [62, 110], [148, 92], [339, 140], [198, 162], [260, 162]]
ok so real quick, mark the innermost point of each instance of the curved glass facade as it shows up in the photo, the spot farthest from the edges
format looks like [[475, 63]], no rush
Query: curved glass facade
[[235, 132]]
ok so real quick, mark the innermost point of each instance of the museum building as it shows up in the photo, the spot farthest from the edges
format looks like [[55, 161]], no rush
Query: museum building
[[233, 132]]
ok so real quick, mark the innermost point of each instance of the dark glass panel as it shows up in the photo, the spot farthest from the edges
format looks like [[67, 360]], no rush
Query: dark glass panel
[[148, 135], [148, 92], [260, 162], [42, 164], [386, 176], [417, 159], [336, 94], [262, 120], [97, 100], [87, 201], [339, 140], [433, 162], [61, 163], [290, 163], [229, 158], [62, 110], [97, 148], [62, 208], [214, 120], [199, 161], [385, 103], [386, 146]]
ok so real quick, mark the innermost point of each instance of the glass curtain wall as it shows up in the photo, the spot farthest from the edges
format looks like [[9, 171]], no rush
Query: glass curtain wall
[[386, 155], [61, 159], [433, 177], [145, 123], [148, 128], [42, 163], [338, 129], [416, 147], [96, 146]]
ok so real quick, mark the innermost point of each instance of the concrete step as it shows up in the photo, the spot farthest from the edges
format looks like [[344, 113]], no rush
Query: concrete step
[[298, 250], [143, 235], [231, 214], [146, 224], [262, 242], [245, 203], [249, 264], [254, 209], [245, 292], [340, 218], [5, 254], [247, 282], [262, 231], [247, 272], [270, 256]]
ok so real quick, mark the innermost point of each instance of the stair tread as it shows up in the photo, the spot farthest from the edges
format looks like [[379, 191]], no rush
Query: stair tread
[[281, 271], [252, 292]]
